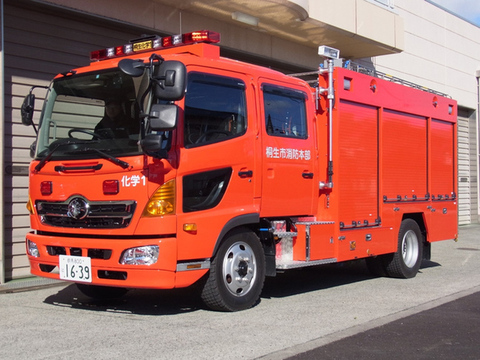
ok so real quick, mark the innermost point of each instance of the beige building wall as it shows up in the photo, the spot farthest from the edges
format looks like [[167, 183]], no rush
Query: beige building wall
[[441, 52]]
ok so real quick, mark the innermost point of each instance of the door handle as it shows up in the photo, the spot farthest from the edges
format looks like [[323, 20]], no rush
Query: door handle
[[245, 174], [307, 175]]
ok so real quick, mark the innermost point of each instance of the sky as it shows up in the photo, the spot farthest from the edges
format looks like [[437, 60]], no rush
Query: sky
[[468, 9]]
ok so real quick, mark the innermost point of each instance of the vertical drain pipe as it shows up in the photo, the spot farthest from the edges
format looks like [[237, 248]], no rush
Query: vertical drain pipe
[[2, 135], [330, 54], [330, 97], [477, 152]]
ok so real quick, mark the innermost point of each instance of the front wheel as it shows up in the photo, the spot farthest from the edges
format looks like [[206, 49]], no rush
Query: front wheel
[[408, 258], [237, 273]]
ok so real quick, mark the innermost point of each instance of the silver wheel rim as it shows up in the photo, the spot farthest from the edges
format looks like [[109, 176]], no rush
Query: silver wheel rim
[[239, 269], [410, 248]]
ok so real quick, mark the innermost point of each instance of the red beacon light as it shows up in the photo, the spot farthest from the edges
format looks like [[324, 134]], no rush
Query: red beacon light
[[155, 42]]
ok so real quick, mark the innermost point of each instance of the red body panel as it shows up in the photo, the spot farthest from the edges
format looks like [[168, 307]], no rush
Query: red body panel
[[394, 156]]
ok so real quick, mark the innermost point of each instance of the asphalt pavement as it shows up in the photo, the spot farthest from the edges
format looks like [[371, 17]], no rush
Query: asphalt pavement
[[446, 332], [337, 311]]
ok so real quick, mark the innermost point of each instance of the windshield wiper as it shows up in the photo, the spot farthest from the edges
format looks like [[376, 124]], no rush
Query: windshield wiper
[[47, 157], [112, 158]]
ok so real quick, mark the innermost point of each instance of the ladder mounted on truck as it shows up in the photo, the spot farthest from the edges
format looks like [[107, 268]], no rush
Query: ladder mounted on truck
[[351, 65]]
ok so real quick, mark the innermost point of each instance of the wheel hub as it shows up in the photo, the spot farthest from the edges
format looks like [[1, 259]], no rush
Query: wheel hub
[[242, 268], [239, 269], [410, 248]]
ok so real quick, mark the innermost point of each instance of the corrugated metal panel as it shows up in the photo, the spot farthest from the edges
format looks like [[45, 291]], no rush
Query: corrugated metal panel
[[467, 179], [474, 153], [358, 163], [39, 43], [404, 155]]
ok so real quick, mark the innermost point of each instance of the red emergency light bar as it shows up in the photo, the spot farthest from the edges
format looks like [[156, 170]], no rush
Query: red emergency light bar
[[155, 43]]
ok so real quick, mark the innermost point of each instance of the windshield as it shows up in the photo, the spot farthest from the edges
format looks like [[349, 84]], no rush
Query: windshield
[[88, 113]]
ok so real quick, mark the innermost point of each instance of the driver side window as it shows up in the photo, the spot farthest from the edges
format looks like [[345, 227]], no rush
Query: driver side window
[[215, 109]]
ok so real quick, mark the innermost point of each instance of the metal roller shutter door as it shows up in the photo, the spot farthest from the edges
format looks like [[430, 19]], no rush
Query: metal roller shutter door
[[39, 43], [467, 169]]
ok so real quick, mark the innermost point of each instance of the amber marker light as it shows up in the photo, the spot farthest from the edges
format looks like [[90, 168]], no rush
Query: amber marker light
[[190, 228], [30, 207], [162, 201], [194, 266]]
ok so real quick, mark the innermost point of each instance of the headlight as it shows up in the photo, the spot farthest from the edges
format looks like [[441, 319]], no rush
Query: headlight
[[144, 255], [32, 249]]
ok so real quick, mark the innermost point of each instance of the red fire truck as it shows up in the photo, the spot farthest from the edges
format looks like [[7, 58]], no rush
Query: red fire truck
[[162, 164]]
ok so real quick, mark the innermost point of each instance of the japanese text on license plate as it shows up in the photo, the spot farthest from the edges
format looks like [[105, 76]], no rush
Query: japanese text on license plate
[[75, 268]]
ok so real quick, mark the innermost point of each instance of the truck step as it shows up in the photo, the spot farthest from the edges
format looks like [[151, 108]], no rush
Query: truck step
[[294, 264]]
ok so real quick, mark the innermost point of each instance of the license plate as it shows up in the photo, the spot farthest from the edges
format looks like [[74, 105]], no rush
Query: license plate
[[144, 45], [75, 268]]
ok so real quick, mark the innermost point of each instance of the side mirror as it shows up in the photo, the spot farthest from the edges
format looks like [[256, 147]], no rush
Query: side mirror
[[163, 117], [27, 109], [131, 67], [170, 80], [153, 145], [33, 149]]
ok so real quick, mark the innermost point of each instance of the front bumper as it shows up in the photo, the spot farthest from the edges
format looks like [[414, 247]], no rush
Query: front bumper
[[105, 254]]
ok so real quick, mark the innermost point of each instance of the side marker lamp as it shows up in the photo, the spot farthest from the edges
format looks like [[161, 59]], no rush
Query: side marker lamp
[[190, 228], [30, 207]]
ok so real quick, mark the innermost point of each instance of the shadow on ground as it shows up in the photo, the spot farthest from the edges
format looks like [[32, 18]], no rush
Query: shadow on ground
[[177, 301]]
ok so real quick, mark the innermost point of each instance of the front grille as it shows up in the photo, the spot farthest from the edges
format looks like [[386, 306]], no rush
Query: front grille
[[99, 214], [103, 254]]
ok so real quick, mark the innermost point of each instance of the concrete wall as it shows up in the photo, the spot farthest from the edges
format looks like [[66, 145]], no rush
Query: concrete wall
[[441, 51]]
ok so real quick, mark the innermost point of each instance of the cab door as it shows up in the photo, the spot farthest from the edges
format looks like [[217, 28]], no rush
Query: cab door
[[289, 175], [216, 174]]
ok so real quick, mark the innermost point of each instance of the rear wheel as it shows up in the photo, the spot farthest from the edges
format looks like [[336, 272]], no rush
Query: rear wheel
[[101, 292], [406, 262], [237, 273]]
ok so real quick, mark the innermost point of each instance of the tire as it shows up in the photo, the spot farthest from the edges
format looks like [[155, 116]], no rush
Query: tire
[[98, 292], [406, 262], [237, 273]]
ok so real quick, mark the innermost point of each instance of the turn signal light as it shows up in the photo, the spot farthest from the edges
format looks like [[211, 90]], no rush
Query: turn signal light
[[162, 201], [30, 207], [190, 228]]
